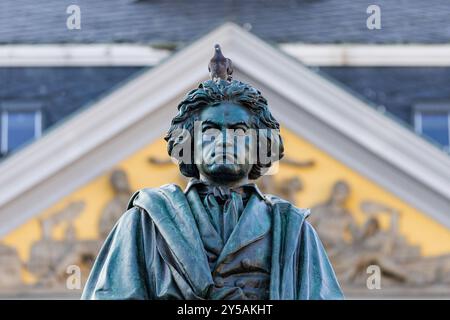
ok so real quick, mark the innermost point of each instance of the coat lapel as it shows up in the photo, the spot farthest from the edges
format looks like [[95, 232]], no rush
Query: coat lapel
[[210, 237], [287, 225], [171, 213], [252, 225]]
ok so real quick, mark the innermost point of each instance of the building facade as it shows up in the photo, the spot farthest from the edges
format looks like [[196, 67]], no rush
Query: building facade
[[364, 116]]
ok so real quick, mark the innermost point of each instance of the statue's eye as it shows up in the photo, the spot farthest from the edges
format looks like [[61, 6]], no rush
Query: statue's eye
[[206, 127], [210, 132], [240, 131]]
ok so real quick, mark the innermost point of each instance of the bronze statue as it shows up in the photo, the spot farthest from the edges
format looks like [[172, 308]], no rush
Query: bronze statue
[[221, 237]]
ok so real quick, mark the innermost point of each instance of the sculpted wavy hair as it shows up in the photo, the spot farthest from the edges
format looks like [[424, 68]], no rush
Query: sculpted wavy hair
[[210, 93]]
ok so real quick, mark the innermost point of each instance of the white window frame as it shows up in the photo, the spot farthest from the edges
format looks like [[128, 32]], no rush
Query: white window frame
[[4, 148]]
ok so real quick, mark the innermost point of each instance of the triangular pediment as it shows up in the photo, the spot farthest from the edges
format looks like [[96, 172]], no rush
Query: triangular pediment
[[305, 102]]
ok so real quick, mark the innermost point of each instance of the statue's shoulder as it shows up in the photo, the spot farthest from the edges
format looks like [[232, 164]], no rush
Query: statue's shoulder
[[287, 207], [154, 194]]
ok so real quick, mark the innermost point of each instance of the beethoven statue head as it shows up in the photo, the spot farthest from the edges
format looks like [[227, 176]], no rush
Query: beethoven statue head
[[224, 133]]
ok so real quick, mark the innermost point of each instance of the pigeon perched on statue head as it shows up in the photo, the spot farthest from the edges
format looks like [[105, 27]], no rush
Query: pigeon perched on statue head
[[219, 67]]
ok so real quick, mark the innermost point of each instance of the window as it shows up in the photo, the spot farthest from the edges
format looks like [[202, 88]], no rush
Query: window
[[433, 122], [19, 126]]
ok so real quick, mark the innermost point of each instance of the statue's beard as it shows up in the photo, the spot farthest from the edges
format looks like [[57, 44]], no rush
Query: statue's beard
[[225, 171]]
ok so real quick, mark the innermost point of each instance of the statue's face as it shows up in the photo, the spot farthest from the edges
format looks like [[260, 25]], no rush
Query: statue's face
[[222, 154]]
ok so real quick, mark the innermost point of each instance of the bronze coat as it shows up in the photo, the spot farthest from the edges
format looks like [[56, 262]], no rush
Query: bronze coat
[[156, 250]]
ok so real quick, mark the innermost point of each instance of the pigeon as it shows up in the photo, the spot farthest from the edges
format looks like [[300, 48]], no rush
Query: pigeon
[[219, 67]]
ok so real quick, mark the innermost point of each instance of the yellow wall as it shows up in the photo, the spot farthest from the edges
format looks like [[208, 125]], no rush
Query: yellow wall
[[317, 180], [417, 227]]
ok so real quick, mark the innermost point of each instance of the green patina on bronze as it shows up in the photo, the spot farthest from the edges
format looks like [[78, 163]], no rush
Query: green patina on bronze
[[221, 238]]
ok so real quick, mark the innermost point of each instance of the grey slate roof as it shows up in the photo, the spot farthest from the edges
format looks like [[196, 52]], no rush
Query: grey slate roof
[[174, 21]]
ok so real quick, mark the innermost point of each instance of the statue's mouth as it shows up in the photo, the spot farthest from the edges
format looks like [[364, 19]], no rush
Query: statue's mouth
[[224, 157]]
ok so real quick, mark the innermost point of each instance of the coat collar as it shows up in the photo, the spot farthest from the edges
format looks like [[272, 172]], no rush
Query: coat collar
[[211, 238], [194, 181]]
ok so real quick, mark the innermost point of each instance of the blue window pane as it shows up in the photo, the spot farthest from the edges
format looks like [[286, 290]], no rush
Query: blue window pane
[[435, 126], [20, 128]]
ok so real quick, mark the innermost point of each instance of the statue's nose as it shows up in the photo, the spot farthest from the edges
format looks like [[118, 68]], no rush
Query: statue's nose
[[225, 141]]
